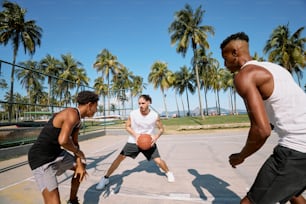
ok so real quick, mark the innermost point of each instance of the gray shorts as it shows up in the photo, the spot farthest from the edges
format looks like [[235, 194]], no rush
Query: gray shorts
[[280, 178], [45, 175], [132, 150]]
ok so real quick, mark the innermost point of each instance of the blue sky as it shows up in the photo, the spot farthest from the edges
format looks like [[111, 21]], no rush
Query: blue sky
[[136, 31]]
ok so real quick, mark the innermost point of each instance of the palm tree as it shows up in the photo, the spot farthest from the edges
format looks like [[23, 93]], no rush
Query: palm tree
[[37, 95], [187, 29], [175, 86], [3, 84], [137, 87], [185, 82], [81, 79], [20, 100], [51, 67], [107, 64], [68, 77], [121, 83], [29, 76], [257, 57], [31, 79], [217, 84], [228, 83], [14, 28], [177, 106], [113, 107], [287, 50], [161, 78], [206, 64], [101, 89], [20, 107]]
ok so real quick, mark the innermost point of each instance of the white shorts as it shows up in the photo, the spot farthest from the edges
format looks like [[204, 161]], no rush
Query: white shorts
[[45, 175]]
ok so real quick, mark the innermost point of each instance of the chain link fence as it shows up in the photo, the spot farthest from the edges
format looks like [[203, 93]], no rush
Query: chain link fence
[[28, 99]]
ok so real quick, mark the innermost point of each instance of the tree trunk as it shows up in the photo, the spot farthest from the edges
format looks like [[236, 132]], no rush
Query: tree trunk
[[183, 106], [10, 106], [199, 91], [198, 79], [165, 105], [177, 107], [188, 113], [206, 103]]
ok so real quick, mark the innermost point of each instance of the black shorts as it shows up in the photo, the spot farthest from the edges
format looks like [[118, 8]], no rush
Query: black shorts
[[132, 150], [280, 178]]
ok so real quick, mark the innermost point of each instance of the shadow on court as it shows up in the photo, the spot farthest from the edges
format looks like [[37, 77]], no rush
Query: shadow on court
[[92, 164], [199, 162], [93, 196], [215, 186]]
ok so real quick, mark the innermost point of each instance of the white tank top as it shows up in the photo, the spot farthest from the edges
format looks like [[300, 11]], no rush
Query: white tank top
[[286, 107], [142, 123]]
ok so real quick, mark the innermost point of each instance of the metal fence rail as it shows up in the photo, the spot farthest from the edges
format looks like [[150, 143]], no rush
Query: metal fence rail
[[28, 116]]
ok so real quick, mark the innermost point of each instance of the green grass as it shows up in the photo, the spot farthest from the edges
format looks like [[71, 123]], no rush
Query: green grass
[[175, 123], [208, 120], [171, 124], [197, 123]]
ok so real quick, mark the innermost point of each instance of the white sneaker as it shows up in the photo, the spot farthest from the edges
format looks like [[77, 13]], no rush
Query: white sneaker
[[170, 176], [103, 182]]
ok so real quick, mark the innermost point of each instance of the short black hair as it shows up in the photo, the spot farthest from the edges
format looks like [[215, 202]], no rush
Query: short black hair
[[85, 97], [236, 36], [146, 97]]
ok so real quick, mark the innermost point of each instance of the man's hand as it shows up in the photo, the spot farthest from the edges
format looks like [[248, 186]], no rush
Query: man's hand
[[80, 172], [80, 154], [154, 139], [235, 159], [136, 138]]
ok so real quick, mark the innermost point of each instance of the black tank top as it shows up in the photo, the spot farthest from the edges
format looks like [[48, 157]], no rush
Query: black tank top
[[46, 148]]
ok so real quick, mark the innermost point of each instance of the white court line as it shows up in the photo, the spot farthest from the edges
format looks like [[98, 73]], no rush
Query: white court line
[[124, 193], [32, 178], [17, 183], [170, 196]]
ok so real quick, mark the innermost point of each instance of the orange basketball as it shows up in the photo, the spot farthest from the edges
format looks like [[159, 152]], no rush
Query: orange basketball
[[144, 141]]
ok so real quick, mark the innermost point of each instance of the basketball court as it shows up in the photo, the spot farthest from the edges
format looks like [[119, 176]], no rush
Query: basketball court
[[199, 161]]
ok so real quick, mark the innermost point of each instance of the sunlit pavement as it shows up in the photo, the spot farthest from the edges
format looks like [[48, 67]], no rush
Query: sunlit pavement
[[199, 162]]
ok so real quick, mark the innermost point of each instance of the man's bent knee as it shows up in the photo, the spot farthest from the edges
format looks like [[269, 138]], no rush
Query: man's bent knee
[[245, 200]]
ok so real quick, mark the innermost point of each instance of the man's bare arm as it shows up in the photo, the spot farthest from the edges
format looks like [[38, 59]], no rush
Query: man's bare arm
[[260, 127]]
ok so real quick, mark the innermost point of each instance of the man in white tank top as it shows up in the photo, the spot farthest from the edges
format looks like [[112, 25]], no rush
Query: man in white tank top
[[142, 120], [272, 99]]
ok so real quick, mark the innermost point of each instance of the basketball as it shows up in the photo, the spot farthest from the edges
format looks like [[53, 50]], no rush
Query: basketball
[[144, 141]]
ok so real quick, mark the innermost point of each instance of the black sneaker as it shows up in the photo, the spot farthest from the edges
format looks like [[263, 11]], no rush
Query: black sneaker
[[75, 201]]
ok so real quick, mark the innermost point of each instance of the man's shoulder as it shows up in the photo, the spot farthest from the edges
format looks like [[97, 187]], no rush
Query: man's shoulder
[[135, 111], [67, 114]]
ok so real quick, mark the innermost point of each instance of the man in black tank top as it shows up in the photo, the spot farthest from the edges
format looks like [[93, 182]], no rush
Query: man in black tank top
[[48, 156]]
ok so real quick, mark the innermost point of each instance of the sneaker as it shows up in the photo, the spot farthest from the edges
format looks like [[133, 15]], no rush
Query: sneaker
[[103, 182], [170, 176], [75, 201]]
